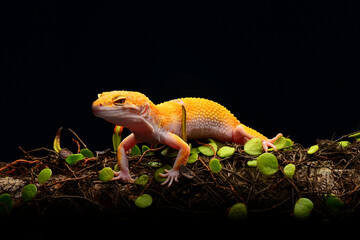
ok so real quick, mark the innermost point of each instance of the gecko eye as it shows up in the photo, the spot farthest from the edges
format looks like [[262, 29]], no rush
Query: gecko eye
[[119, 100]]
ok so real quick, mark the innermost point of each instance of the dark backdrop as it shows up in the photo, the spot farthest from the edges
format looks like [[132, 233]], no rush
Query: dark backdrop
[[287, 67]]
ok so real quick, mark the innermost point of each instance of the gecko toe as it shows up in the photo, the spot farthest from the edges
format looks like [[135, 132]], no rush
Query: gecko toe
[[171, 176], [122, 175]]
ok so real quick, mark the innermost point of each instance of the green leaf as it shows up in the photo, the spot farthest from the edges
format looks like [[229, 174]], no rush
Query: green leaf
[[194, 150], [157, 177], [106, 174], [6, 204], [218, 144], [74, 158], [253, 146], [280, 143], [313, 149], [207, 150], [143, 201], [356, 135], [169, 152], [226, 152], [289, 170], [44, 175], [303, 208], [135, 151], [344, 144], [215, 165], [252, 163], [289, 143], [29, 192], [333, 203], [86, 153], [142, 180], [145, 148], [193, 158], [116, 137], [267, 164], [238, 212]]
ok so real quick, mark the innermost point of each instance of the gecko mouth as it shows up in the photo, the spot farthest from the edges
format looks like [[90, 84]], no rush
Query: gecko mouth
[[104, 112]]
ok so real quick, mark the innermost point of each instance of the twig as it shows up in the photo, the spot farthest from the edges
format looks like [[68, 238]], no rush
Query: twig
[[70, 179], [20, 160], [144, 153], [78, 137]]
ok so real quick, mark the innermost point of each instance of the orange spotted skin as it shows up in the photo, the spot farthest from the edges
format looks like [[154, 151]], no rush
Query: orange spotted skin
[[162, 123], [204, 118]]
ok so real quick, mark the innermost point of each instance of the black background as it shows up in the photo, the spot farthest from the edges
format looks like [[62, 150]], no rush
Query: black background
[[289, 67]]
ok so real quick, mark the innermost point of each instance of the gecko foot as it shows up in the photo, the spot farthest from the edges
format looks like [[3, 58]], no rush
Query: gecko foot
[[171, 176], [122, 175], [270, 143]]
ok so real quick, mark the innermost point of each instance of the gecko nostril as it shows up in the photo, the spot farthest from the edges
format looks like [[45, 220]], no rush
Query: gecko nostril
[[100, 104]]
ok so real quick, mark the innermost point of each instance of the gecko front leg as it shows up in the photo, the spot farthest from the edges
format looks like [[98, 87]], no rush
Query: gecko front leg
[[177, 143], [128, 143]]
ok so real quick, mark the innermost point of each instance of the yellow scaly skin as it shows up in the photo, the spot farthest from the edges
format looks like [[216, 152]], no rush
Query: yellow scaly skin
[[161, 123]]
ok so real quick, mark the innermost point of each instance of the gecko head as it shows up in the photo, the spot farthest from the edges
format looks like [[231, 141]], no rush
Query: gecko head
[[123, 108]]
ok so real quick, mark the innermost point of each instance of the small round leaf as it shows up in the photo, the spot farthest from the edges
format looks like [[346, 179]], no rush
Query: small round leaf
[[28, 192], [252, 163], [289, 143], [44, 175], [253, 146], [143, 201], [86, 153], [135, 151], [280, 143], [169, 152], [215, 165], [226, 152], [333, 203], [267, 164], [6, 204], [142, 180], [303, 208], [145, 148], [344, 144], [313, 149], [74, 158], [207, 150], [193, 158], [289, 170], [106, 174], [238, 212]]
